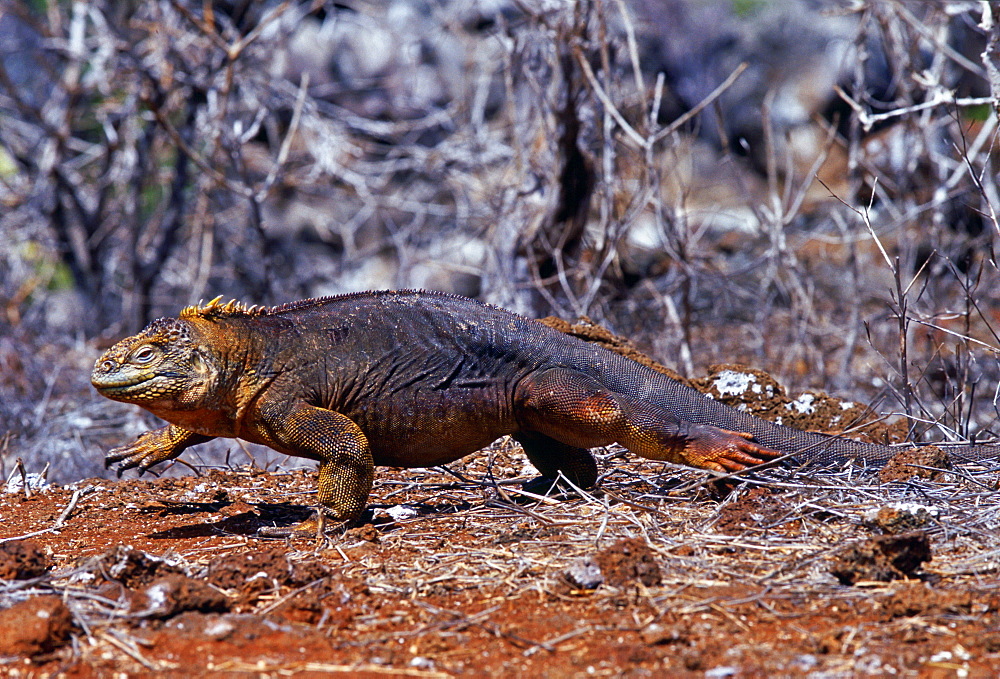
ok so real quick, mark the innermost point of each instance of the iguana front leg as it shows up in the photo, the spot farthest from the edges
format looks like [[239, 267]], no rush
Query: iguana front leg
[[346, 467], [577, 410], [153, 447]]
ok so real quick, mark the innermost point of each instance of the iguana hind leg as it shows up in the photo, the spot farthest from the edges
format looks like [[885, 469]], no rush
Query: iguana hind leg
[[578, 410], [551, 457]]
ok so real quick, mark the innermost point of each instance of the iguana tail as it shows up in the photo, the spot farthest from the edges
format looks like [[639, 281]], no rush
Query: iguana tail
[[807, 447]]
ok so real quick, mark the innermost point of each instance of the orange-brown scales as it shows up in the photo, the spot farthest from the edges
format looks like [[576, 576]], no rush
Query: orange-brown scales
[[416, 379]]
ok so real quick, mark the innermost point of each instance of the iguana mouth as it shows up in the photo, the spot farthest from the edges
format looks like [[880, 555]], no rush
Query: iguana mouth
[[119, 386]]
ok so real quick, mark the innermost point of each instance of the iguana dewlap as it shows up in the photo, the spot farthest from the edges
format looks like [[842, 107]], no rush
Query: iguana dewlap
[[416, 379]]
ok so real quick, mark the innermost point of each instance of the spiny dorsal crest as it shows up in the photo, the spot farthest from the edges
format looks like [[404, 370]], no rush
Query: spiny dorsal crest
[[216, 308]]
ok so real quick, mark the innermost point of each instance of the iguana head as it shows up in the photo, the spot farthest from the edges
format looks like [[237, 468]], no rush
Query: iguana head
[[162, 367]]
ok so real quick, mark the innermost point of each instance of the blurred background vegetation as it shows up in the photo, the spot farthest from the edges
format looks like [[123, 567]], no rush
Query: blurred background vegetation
[[806, 186]]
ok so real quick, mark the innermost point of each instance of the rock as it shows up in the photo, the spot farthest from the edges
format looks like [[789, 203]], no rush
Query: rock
[[35, 626], [584, 574]]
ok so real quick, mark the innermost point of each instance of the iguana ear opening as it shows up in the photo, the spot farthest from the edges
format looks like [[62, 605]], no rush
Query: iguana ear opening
[[201, 365]]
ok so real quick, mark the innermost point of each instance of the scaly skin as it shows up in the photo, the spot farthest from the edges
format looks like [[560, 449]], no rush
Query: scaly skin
[[417, 379]]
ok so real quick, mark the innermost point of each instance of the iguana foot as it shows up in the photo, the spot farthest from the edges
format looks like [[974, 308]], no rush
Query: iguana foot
[[724, 451], [321, 525], [151, 448], [143, 453]]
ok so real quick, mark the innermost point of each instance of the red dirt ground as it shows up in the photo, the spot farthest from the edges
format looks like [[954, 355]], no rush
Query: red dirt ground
[[167, 577], [464, 572]]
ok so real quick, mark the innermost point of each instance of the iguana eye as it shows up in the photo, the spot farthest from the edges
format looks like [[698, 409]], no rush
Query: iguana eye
[[144, 355]]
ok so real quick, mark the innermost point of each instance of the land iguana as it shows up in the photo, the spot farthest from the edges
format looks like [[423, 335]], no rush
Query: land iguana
[[417, 379]]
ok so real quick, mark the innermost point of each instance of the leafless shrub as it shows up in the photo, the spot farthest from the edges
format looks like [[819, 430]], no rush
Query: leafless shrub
[[931, 187], [537, 156]]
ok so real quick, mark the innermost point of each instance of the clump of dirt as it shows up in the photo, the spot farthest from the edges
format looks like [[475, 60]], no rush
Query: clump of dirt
[[329, 601], [628, 561], [175, 593], [926, 462], [901, 517], [882, 558], [367, 532], [35, 626], [589, 331], [624, 563], [22, 559], [660, 634], [742, 387], [755, 508], [919, 598], [134, 568], [266, 569], [756, 392], [151, 586]]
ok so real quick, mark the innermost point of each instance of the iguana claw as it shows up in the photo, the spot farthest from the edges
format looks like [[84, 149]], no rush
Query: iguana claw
[[322, 524]]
